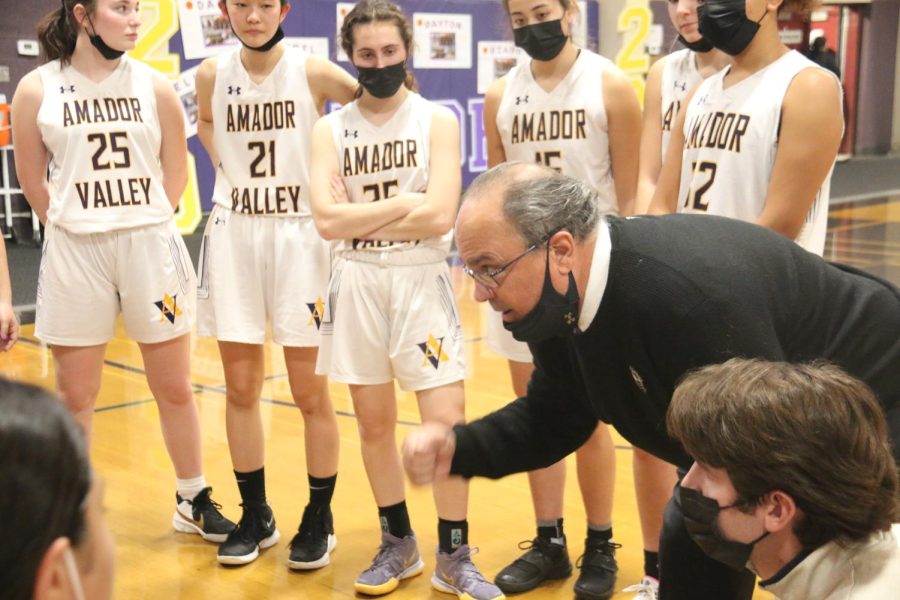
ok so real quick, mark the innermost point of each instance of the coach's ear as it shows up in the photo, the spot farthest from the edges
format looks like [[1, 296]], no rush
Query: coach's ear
[[781, 511], [52, 580], [562, 252], [224, 8]]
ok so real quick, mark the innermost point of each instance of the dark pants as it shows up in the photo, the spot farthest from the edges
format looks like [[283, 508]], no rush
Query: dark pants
[[686, 573]]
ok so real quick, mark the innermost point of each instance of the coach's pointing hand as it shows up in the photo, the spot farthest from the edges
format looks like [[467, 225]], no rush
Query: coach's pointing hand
[[428, 452]]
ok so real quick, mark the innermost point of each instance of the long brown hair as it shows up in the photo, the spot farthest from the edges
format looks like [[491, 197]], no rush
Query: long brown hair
[[379, 11], [58, 31], [811, 431]]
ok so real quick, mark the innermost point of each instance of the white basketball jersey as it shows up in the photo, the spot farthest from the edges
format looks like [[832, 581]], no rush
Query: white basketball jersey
[[731, 136], [379, 162], [262, 135], [103, 141], [679, 77], [566, 128]]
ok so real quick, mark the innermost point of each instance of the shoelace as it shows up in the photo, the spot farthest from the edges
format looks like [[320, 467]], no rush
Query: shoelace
[[535, 543], [468, 570], [203, 501], [309, 527], [250, 518], [604, 549], [384, 550]]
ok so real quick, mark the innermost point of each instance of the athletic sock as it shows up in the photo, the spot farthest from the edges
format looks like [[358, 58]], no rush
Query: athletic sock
[[189, 488], [252, 486], [395, 519], [321, 489], [452, 535], [599, 533], [651, 564], [552, 530]]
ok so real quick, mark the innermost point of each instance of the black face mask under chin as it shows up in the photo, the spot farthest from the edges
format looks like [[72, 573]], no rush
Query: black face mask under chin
[[702, 45], [701, 516], [106, 51], [541, 41], [725, 24], [382, 82], [554, 315], [279, 35]]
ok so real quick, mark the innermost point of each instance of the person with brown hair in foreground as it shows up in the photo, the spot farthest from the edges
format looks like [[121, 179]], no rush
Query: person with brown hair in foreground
[[793, 477]]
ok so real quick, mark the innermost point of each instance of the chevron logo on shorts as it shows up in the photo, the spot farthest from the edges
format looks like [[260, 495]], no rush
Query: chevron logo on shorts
[[433, 351], [316, 312], [168, 306]]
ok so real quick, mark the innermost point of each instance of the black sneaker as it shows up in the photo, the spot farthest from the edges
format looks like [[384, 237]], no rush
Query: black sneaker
[[201, 516], [255, 531], [598, 571], [315, 539], [544, 560]]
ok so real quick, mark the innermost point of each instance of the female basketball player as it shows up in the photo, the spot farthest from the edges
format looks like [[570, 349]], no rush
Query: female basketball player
[[572, 110], [669, 81], [111, 132], [262, 258], [760, 137], [385, 186]]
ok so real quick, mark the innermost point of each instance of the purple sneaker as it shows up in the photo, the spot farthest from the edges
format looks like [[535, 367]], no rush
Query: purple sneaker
[[397, 558], [457, 574]]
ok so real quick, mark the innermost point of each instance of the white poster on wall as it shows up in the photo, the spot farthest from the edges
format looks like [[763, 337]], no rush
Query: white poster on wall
[[495, 59], [204, 30], [186, 89], [579, 26], [341, 9], [655, 40], [317, 46], [443, 41]]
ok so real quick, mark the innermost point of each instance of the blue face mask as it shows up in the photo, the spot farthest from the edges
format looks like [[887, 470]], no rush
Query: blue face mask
[[554, 315], [701, 519]]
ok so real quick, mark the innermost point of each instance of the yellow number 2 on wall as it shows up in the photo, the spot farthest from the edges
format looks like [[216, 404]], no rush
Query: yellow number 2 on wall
[[634, 23], [160, 23]]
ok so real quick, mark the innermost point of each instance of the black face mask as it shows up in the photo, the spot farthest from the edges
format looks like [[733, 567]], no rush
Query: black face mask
[[701, 516], [279, 35], [554, 315], [702, 45], [541, 41], [382, 82], [106, 51], [725, 24]]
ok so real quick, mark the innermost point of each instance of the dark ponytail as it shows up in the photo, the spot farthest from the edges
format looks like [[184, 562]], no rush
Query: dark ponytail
[[58, 31]]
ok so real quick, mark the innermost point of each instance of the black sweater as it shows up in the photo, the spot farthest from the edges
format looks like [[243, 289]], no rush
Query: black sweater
[[685, 291]]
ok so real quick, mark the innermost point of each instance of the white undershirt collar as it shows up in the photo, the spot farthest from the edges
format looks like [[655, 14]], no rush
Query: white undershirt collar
[[596, 284]]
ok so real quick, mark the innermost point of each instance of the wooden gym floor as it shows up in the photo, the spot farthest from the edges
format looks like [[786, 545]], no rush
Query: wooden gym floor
[[154, 562]]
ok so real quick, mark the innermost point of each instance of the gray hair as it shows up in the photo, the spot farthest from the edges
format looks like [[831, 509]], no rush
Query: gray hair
[[539, 201]]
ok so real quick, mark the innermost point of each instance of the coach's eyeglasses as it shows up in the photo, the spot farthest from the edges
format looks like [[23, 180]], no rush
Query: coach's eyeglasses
[[489, 278]]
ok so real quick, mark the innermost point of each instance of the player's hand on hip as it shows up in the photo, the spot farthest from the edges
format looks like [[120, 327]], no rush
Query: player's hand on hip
[[427, 453]]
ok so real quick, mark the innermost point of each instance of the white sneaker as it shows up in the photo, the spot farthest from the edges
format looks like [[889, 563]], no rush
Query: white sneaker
[[647, 589]]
